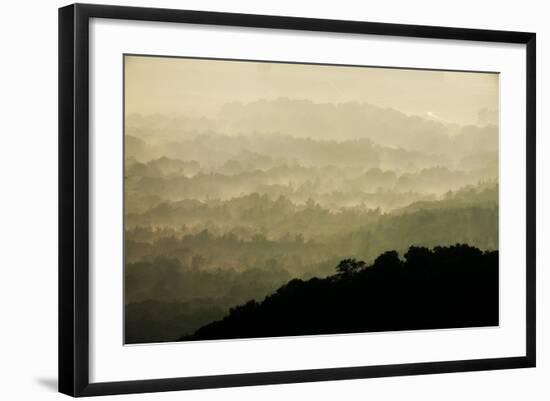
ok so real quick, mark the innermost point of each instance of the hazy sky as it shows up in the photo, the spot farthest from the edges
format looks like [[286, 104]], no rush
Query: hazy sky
[[199, 87]]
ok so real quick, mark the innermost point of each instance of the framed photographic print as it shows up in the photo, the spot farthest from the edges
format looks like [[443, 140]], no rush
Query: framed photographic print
[[250, 199]]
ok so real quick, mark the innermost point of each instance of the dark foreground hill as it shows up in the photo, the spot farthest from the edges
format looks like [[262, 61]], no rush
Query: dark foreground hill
[[447, 287]]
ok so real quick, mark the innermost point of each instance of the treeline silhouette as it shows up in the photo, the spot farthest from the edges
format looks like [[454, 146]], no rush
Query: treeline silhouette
[[376, 185], [443, 287], [466, 216]]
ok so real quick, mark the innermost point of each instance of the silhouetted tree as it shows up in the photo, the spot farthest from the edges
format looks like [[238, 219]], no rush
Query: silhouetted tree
[[388, 260], [349, 266]]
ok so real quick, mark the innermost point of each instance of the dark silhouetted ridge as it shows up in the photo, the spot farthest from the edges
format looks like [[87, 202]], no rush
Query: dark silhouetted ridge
[[443, 287]]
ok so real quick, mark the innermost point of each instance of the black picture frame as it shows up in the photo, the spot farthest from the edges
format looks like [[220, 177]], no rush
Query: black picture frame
[[74, 198]]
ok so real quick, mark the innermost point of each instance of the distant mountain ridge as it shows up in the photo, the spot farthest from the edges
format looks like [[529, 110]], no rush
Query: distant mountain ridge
[[342, 121]]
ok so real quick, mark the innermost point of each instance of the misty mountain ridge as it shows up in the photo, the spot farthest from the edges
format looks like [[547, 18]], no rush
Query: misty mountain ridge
[[327, 121], [262, 152]]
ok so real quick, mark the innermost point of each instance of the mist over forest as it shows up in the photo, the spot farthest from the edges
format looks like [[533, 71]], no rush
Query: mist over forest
[[221, 211]]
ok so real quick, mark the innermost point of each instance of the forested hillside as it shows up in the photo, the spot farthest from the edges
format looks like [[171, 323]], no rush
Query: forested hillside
[[447, 287]]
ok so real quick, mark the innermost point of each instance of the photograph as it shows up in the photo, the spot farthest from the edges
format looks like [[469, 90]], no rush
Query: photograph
[[275, 199]]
